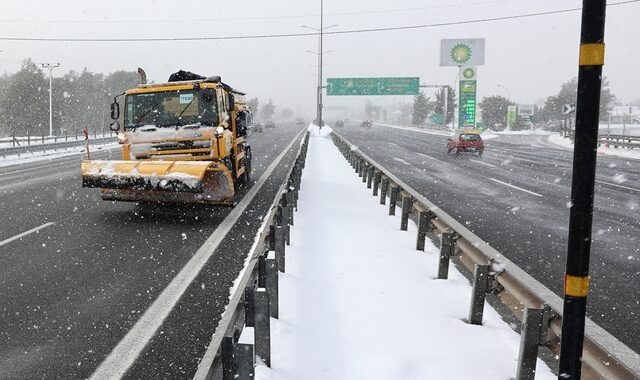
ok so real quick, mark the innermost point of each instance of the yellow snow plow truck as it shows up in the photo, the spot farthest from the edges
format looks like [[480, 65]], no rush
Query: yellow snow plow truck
[[182, 141]]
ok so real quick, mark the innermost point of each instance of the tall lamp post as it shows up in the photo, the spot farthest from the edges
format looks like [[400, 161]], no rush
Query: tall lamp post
[[506, 89], [319, 88], [50, 67]]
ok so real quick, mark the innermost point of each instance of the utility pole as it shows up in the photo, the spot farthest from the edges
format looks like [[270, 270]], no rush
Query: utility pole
[[320, 52], [576, 280], [319, 106], [50, 67]]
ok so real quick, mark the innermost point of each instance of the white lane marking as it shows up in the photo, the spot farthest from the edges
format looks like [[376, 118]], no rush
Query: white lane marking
[[484, 163], [129, 348], [516, 187], [426, 155], [401, 160], [620, 186], [18, 236], [413, 129]]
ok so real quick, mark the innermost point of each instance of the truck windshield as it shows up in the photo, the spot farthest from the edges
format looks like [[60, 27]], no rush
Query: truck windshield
[[170, 109]]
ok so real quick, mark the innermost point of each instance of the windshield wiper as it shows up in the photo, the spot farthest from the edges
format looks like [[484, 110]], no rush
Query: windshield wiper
[[187, 106], [153, 108]]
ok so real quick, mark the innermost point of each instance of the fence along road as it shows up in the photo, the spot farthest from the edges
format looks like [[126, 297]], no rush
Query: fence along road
[[604, 356]]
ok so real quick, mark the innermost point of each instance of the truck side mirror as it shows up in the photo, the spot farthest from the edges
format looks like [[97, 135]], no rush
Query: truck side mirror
[[115, 110], [115, 126], [232, 102]]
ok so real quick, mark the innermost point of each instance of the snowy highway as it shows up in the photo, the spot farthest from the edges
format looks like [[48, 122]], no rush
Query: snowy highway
[[516, 197], [78, 273]]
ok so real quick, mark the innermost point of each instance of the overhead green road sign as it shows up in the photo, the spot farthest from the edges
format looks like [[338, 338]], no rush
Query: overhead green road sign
[[373, 86]]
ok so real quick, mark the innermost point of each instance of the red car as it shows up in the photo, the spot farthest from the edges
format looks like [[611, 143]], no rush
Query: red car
[[465, 140]]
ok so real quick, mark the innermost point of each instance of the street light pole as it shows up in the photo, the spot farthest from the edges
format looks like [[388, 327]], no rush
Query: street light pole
[[320, 53], [50, 67], [506, 89]]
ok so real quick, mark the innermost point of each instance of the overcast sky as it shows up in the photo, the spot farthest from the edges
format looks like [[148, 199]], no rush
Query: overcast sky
[[531, 57]]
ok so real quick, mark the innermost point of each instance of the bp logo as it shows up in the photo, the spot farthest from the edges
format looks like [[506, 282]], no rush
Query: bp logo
[[468, 73], [460, 53]]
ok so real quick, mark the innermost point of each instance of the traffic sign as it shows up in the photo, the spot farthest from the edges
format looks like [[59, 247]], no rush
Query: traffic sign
[[373, 86], [526, 109], [568, 108]]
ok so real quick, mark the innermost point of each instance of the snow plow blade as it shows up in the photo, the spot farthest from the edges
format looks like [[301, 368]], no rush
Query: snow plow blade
[[205, 182]]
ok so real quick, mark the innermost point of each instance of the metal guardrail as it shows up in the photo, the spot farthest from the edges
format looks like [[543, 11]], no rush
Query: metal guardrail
[[623, 141], [615, 141], [529, 301], [255, 298], [18, 150]]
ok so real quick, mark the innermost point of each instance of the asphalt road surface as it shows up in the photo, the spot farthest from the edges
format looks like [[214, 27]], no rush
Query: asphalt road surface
[[78, 272], [516, 197]]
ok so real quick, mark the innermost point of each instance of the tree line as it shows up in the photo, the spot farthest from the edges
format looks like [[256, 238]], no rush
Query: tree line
[[494, 108], [80, 100]]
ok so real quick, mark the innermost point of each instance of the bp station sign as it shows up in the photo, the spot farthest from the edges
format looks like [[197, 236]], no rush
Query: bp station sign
[[466, 54]]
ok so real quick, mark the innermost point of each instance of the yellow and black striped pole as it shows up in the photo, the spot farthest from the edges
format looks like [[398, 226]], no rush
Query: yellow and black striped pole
[[576, 282]]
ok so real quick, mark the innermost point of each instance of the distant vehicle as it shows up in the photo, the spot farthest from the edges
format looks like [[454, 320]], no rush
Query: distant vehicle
[[269, 124], [315, 122], [339, 124], [465, 140], [366, 124], [300, 121]]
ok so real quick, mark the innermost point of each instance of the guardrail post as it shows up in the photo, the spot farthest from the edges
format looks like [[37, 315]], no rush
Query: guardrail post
[[249, 306], [262, 329], [358, 162], [447, 249], [370, 176], [271, 285], [362, 167], [286, 220], [377, 176], [280, 240], [529, 342], [238, 361], [262, 270], [272, 237], [364, 172], [406, 209], [384, 186], [423, 222], [290, 198], [393, 198], [480, 285]]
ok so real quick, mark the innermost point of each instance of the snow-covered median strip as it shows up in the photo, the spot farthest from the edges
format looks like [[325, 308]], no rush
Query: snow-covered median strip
[[358, 301]]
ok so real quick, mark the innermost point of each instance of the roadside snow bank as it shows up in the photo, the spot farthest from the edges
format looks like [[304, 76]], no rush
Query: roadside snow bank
[[25, 158], [358, 301], [602, 150]]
